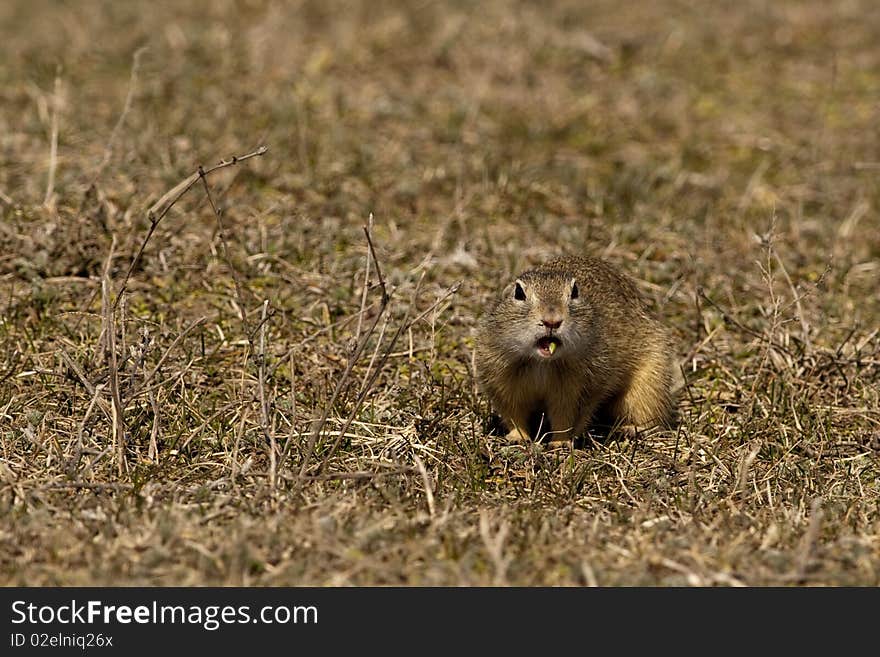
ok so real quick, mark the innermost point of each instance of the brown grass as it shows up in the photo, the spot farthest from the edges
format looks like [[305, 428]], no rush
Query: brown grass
[[724, 153]]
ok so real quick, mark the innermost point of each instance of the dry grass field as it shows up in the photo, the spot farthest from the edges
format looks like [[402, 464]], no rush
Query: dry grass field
[[211, 388]]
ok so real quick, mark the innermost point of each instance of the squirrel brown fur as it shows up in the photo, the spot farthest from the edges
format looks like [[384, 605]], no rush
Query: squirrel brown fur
[[572, 339]]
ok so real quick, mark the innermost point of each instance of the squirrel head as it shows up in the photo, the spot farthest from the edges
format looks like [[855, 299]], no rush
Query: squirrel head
[[543, 315]]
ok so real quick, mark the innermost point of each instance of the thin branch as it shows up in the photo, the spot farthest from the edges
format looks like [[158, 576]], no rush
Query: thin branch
[[12, 366], [108, 316], [155, 370], [375, 352], [805, 326], [376, 260], [730, 319], [80, 446], [264, 400], [235, 278], [153, 453], [357, 333], [290, 436], [161, 207], [452, 290], [318, 426], [77, 370], [405, 326]]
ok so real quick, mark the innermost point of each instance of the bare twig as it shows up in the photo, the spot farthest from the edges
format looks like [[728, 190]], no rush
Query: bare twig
[[376, 260], [153, 453], [757, 334], [235, 447], [342, 384], [161, 207], [375, 352], [235, 278], [11, 365], [177, 340], [122, 333], [366, 388], [805, 327], [264, 400], [405, 326], [220, 411], [318, 426], [452, 290], [357, 333], [290, 436], [74, 461], [77, 370], [108, 316]]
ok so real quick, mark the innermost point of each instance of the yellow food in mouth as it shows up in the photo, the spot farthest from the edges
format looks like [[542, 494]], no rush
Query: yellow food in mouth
[[547, 345]]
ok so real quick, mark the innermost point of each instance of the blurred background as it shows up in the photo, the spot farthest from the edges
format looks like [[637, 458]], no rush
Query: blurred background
[[725, 153]]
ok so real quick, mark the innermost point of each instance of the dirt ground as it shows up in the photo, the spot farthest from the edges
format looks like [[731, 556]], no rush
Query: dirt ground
[[205, 386]]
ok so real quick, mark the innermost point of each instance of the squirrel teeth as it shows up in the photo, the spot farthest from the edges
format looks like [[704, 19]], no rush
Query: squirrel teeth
[[551, 347]]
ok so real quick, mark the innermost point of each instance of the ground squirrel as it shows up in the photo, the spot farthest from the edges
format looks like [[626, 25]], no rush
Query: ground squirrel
[[572, 340]]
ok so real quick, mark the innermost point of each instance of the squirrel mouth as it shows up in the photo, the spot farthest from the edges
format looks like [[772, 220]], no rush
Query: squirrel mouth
[[547, 345]]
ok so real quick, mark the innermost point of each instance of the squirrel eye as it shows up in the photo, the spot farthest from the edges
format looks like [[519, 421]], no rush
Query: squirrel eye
[[518, 293], [574, 291]]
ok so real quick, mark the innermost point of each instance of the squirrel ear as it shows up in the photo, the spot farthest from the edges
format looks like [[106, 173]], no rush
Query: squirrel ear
[[518, 292], [574, 289]]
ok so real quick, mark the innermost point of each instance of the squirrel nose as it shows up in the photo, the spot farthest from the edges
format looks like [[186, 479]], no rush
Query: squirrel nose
[[552, 323]]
